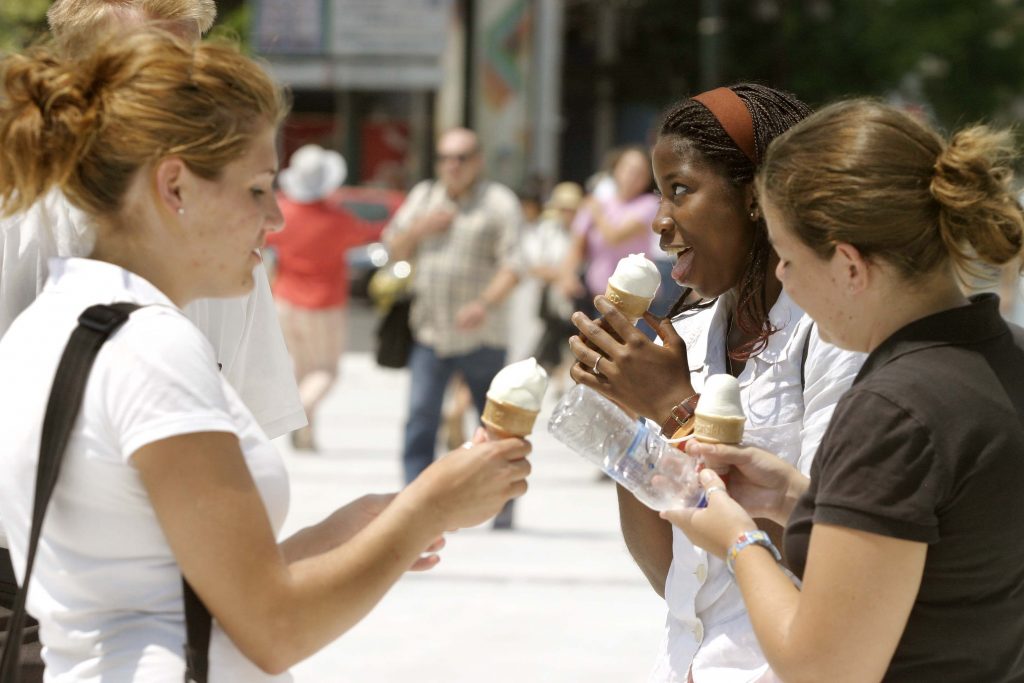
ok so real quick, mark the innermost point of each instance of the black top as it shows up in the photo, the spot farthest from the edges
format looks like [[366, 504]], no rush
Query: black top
[[928, 446]]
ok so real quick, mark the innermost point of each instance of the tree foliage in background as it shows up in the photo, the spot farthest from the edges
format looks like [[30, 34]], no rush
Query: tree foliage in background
[[233, 21], [21, 21], [960, 60]]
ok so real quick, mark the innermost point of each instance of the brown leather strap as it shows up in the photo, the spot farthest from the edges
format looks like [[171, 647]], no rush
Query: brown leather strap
[[681, 418], [728, 108]]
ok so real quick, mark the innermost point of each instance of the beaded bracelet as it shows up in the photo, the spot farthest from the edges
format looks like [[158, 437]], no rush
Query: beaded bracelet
[[756, 537]]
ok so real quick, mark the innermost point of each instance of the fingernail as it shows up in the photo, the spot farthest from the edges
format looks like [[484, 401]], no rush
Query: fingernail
[[707, 476]]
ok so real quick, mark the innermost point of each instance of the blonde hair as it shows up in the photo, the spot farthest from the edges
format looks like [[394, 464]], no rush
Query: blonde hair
[[76, 23], [86, 126], [873, 176]]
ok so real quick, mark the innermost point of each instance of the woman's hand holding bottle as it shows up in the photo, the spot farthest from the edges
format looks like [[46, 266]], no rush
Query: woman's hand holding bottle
[[763, 483]]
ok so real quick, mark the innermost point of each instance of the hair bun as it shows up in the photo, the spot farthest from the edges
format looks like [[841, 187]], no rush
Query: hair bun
[[48, 119], [972, 185]]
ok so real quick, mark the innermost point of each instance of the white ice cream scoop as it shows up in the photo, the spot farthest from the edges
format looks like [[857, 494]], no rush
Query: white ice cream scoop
[[719, 414], [520, 384], [637, 275]]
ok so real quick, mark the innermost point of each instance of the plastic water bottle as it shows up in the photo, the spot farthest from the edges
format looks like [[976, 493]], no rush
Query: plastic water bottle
[[655, 471]]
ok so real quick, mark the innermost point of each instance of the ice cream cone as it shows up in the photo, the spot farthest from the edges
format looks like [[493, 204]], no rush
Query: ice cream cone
[[504, 420], [718, 428], [630, 305]]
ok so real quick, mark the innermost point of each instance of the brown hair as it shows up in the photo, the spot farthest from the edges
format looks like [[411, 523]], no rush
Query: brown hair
[[771, 112], [873, 176], [86, 126]]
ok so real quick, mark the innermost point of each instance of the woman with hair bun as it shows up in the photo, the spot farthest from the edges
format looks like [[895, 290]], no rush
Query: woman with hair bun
[[732, 317], [169, 148], [906, 534]]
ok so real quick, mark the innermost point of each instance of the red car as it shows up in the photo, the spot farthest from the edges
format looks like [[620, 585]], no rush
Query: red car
[[376, 205]]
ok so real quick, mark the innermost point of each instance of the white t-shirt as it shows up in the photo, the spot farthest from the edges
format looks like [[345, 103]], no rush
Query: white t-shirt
[[244, 330], [106, 588], [707, 623]]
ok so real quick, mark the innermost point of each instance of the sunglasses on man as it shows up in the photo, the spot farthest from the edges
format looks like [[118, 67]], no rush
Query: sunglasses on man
[[462, 157]]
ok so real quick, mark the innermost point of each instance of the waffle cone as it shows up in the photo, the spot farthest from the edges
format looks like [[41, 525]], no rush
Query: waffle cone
[[631, 305], [504, 419], [718, 428]]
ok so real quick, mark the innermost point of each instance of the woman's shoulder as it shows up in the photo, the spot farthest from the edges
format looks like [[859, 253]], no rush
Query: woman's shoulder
[[163, 333], [694, 321]]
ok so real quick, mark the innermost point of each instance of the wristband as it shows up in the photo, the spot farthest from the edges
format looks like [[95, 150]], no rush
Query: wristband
[[748, 538], [680, 417]]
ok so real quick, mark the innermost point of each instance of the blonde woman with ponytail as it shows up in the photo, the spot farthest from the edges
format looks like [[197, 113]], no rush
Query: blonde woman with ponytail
[[907, 533], [169, 148]]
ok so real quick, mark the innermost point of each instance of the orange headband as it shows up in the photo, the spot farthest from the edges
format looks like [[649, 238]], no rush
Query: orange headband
[[728, 108]]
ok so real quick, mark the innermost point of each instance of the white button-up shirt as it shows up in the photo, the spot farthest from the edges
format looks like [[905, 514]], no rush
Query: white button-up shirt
[[707, 624]]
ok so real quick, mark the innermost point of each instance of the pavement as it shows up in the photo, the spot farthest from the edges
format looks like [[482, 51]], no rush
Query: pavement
[[557, 599]]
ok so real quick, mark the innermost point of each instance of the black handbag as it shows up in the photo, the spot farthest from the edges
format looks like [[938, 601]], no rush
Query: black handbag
[[95, 326], [394, 335]]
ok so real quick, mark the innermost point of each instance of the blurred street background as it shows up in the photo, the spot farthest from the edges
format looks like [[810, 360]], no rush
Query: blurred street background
[[551, 87]]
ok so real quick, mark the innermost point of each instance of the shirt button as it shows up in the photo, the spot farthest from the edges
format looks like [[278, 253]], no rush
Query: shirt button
[[698, 631], [702, 572]]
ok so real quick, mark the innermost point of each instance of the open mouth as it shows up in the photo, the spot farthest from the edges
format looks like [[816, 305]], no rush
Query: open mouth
[[683, 265]]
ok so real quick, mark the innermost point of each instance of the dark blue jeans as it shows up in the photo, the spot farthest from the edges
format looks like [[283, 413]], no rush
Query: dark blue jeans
[[430, 376]]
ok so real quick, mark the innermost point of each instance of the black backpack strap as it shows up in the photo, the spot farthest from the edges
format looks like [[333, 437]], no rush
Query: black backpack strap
[[198, 624], [95, 326], [803, 356]]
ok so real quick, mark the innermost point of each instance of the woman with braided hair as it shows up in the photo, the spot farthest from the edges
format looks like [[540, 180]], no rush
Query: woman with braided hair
[[732, 317]]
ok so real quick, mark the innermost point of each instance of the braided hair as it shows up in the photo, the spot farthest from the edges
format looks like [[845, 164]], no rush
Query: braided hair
[[772, 112]]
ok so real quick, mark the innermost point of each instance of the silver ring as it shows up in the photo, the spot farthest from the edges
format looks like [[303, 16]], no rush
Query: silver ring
[[713, 489], [596, 363]]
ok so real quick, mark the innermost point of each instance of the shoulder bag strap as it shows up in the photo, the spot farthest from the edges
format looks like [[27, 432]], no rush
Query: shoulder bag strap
[[803, 356], [95, 326], [198, 624]]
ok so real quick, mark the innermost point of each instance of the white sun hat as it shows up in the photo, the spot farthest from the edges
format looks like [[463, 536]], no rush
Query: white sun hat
[[313, 173]]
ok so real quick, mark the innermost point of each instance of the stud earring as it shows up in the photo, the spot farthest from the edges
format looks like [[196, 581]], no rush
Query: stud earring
[[753, 214], [181, 210]]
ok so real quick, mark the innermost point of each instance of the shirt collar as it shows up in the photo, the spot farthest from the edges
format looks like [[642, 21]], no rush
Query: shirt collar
[[976, 322], [782, 313], [84, 276], [469, 198]]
